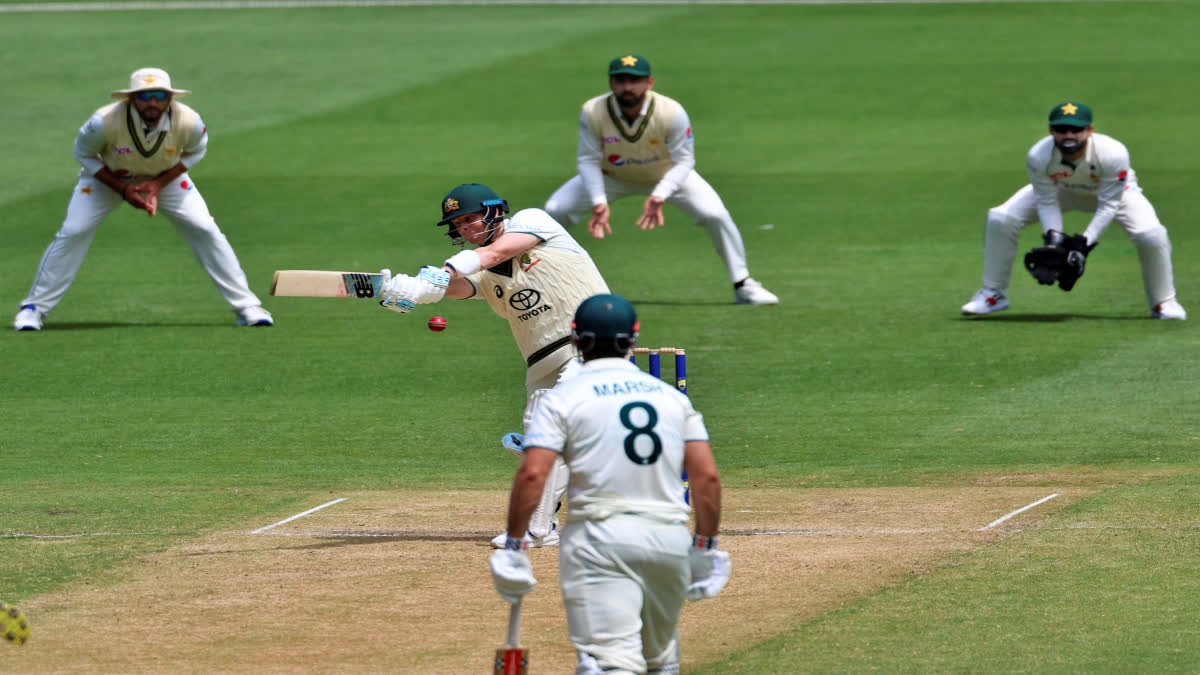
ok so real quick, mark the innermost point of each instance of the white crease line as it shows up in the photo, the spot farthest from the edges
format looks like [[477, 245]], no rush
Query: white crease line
[[30, 535], [299, 515], [1006, 516]]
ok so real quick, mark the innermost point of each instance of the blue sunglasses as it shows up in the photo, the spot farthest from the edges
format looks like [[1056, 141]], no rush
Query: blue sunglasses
[[152, 95]]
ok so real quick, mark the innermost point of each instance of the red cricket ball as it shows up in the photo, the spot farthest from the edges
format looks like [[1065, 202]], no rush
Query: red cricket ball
[[437, 324]]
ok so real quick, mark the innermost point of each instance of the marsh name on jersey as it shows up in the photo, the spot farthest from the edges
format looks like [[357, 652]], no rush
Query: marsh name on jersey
[[626, 387]]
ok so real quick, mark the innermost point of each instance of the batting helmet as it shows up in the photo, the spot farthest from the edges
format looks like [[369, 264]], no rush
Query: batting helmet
[[472, 198], [605, 325]]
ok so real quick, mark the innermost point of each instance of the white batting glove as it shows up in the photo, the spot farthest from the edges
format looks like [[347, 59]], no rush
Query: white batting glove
[[387, 276], [512, 574], [710, 570], [433, 282], [399, 293]]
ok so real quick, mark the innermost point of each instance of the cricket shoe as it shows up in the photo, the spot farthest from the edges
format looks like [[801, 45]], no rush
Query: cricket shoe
[[750, 292], [254, 316], [985, 301], [29, 318], [1168, 310], [548, 540]]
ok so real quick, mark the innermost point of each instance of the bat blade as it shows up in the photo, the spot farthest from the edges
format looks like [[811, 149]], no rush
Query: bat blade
[[325, 284]]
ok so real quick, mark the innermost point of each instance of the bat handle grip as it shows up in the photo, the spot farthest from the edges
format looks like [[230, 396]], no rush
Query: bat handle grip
[[514, 624]]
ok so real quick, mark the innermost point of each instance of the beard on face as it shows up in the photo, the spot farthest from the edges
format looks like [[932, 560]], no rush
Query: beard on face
[[1070, 146], [630, 99]]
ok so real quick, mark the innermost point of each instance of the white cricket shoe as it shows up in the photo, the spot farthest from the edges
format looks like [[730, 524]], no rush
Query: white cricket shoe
[[752, 293], [1168, 310], [548, 540], [29, 318], [985, 301], [254, 316]]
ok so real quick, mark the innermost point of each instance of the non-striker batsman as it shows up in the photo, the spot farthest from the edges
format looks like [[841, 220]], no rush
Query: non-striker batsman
[[627, 561]]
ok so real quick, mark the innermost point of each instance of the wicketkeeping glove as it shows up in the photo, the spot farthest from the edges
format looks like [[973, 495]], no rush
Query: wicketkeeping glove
[[1046, 262], [1077, 250], [710, 568], [512, 574]]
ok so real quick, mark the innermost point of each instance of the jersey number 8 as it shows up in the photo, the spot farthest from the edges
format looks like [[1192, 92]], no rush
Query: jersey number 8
[[645, 430]]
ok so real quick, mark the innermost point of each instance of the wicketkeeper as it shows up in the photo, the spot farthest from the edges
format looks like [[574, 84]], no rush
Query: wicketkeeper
[[1075, 169], [627, 561]]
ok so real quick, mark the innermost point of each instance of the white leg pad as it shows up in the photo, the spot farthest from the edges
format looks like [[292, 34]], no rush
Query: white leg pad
[[542, 520]]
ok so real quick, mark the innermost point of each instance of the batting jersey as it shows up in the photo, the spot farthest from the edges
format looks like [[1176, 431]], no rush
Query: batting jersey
[[621, 433], [116, 137], [1103, 174], [638, 154], [539, 290]]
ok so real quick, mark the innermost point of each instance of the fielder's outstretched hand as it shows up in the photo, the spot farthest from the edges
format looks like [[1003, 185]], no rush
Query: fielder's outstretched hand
[[512, 574], [13, 625], [652, 215], [598, 224]]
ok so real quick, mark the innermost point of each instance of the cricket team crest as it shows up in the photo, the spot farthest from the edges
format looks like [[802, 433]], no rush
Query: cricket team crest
[[450, 205]]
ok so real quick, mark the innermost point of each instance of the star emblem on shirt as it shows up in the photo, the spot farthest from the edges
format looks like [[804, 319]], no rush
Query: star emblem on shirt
[[629, 60], [1070, 109]]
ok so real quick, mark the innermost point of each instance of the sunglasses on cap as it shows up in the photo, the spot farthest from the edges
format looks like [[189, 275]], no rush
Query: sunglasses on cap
[[1066, 128], [157, 95]]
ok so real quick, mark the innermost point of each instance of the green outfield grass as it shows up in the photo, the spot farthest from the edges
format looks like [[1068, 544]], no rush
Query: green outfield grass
[[871, 139]]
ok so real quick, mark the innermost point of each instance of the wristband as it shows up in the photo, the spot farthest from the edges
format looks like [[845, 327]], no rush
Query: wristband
[[515, 543], [465, 262], [704, 543]]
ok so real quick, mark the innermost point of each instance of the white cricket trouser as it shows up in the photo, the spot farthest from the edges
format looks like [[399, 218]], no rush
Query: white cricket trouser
[[624, 581], [1136, 215], [91, 203], [539, 379], [570, 204]]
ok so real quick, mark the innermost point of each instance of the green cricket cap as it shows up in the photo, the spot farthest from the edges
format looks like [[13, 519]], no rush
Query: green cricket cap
[[1071, 114], [469, 198], [630, 64], [605, 315]]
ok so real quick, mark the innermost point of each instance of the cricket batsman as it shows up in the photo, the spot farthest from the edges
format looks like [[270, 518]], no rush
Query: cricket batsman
[[627, 561], [533, 274]]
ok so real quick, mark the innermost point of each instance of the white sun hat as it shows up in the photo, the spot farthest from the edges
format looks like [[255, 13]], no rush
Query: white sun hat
[[148, 79]]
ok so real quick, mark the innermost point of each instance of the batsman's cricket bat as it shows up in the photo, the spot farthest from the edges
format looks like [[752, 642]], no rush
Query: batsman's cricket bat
[[326, 284], [512, 659]]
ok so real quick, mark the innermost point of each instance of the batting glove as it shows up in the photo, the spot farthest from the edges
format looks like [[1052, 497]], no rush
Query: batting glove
[[512, 574], [400, 293], [710, 568], [432, 284]]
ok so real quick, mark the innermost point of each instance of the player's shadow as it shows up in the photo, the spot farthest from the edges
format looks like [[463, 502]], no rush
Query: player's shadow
[[680, 303], [108, 325], [1053, 318]]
